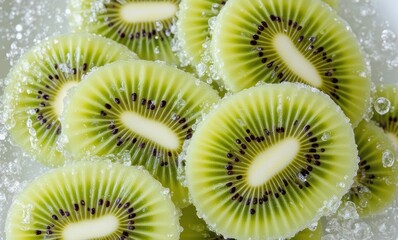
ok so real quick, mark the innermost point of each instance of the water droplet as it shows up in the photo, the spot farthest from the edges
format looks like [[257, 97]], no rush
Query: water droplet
[[388, 158], [382, 105], [325, 136], [158, 26], [156, 50], [18, 27]]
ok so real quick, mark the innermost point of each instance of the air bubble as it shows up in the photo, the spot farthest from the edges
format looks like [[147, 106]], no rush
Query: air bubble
[[348, 211], [158, 26], [326, 136], [215, 8], [382, 105], [18, 28], [156, 50], [388, 158]]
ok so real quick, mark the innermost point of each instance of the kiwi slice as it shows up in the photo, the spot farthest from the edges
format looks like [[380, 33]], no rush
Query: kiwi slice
[[93, 200], [385, 112], [194, 25], [145, 27], [141, 109], [40, 81], [375, 185], [270, 160], [293, 40]]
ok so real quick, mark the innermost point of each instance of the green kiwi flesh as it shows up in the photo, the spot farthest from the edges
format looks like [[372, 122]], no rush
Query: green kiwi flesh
[[269, 160], [292, 40], [375, 185], [333, 3], [93, 200], [40, 80], [140, 109], [193, 28], [145, 27], [194, 227], [308, 234], [385, 111]]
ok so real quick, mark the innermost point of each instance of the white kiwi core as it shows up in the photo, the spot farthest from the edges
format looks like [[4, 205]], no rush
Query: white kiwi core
[[151, 129], [295, 60], [135, 12], [59, 98], [90, 229], [271, 161]]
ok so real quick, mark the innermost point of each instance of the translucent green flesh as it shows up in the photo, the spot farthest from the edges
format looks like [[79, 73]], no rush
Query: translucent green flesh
[[389, 120], [103, 132], [375, 184], [217, 166], [308, 234], [193, 28], [150, 40], [36, 81], [243, 51], [68, 195], [194, 227]]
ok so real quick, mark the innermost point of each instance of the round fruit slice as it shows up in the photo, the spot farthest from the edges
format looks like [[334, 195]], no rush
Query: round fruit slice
[[41, 80], [375, 185], [93, 200], [141, 109], [269, 160], [144, 26], [195, 22], [386, 111], [294, 40]]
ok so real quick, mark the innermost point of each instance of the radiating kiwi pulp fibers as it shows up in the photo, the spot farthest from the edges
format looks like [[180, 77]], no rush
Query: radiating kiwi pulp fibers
[[293, 40], [375, 185], [385, 112], [145, 27], [269, 160], [139, 109], [40, 81], [93, 200]]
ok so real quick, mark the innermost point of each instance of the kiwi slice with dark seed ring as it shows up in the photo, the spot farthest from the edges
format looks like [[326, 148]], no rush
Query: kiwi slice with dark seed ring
[[93, 200], [293, 40], [269, 160], [139, 109], [40, 81], [194, 25], [145, 27], [375, 185]]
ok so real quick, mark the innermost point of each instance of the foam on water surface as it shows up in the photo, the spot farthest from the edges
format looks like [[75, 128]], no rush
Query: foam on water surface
[[24, 23]]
